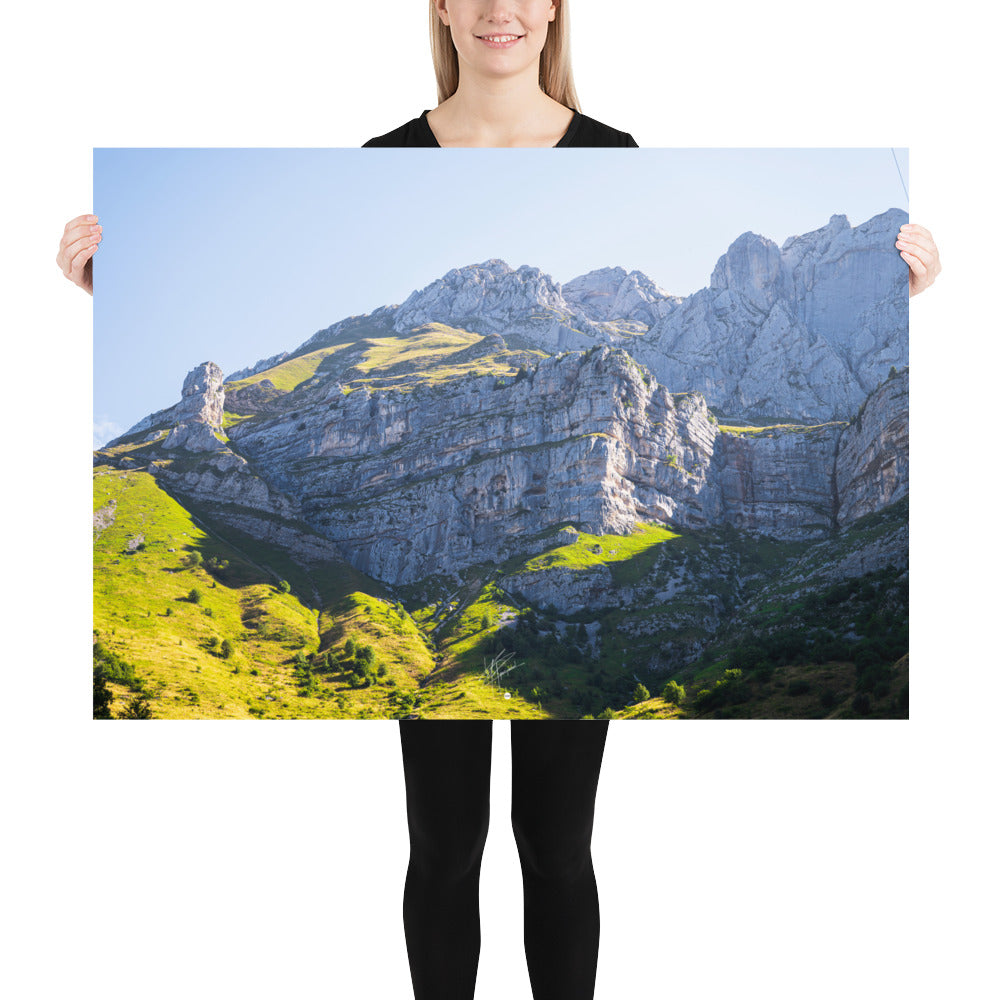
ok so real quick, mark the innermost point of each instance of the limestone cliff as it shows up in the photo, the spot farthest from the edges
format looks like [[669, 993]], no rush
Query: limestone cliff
[[423, 443], [873, 461]]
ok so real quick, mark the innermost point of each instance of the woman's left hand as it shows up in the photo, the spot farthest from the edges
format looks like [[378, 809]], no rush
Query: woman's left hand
[[916, 246]]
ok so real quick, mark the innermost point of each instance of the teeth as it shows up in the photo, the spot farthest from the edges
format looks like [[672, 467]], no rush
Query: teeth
[[500, 38]]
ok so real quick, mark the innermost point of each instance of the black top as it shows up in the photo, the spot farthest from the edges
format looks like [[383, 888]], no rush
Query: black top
[[582, 131]]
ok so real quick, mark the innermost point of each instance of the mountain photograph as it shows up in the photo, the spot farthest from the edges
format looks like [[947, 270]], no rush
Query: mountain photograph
[[507, 496]]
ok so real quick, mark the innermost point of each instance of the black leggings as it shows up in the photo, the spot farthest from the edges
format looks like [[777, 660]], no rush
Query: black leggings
[[555, 767]]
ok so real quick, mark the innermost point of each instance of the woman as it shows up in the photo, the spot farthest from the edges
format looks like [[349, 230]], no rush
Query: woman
[[504, 79]]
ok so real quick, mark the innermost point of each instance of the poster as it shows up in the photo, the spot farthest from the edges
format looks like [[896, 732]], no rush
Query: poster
[[612, 434]]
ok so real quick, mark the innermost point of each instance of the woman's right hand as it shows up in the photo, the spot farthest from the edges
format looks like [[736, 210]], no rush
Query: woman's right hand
[[80, 240]]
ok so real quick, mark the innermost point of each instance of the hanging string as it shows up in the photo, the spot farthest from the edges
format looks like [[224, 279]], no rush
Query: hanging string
[[900, 172]]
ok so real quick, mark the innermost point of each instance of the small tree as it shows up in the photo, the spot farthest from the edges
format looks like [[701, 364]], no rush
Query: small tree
[[641, 693], [284, 586], [138, 707], [226, 649], [349, 647], [672, 692], [193, 558], [215, 565], [102, 694], [194, 595]]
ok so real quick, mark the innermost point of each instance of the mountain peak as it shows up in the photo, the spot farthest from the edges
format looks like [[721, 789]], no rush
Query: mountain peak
[[751, 262]]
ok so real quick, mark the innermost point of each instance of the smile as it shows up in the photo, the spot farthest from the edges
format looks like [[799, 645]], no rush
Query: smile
[[499, 41]]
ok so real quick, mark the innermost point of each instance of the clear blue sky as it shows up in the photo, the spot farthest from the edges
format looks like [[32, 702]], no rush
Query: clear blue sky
[[231, 255]]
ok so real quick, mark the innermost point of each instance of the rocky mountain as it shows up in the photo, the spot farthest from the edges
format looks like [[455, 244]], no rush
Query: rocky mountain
[[496, 426], [437, 478], [802, 332]]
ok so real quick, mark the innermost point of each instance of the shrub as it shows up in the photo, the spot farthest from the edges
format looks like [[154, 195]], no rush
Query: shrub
[[194, 595], [192, 559], [138, 707], [102, 693], [730, 689], [641, 693], [873, 675], [284, 586], [672, 692], [215, 565], [702, 697], [115, 668], [226, 649], [752, 656], [607, 714]]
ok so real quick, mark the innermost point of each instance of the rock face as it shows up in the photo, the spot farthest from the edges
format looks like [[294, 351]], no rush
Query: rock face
[[261, 366], [428, 481], [778, 483], [873, 463], [434, 475], [196, 420], [494, 298], [434, 480], [801, 333], [252, 398], [613, 293]]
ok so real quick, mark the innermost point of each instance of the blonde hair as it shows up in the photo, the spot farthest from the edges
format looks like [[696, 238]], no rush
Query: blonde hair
[[555, 74]]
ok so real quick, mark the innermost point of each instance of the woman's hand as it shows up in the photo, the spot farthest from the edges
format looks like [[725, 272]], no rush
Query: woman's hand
[[76, 248], [917, 248]]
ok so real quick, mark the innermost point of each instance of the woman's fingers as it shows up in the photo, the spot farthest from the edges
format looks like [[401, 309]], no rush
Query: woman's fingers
[[79, 259], [80, 269], [922, 254], [907, 241], [72, 249], [80, 239], [917, 266], [917, 247], [82, 225]]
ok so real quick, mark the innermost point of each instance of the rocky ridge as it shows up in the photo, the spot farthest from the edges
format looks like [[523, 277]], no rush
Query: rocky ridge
[[439, 476]]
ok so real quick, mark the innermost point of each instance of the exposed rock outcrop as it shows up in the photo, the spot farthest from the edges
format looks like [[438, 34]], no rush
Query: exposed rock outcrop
[[873, 461], [196, 421], [426, 475], [801, 333]]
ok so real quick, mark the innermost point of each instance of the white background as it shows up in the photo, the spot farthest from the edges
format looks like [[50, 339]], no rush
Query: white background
[[784, 860]]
